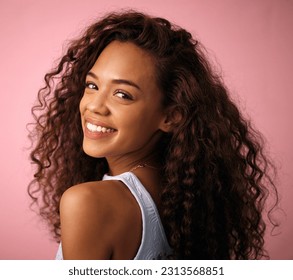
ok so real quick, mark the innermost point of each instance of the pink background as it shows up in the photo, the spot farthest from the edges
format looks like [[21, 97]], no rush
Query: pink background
[[251, 40]]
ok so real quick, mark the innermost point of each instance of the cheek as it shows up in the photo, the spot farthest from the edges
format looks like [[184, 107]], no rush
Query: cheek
[[82, 104], [144, 122]]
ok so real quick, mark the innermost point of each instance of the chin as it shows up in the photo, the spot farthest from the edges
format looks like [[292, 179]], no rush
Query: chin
[[92, 151]]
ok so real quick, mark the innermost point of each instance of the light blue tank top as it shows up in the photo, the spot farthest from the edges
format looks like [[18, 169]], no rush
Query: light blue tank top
[[154, 244]]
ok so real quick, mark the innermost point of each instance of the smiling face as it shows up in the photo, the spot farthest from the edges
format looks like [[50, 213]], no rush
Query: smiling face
[[121, 109]]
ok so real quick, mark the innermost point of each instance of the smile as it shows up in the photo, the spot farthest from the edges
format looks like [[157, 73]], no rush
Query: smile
[[97, 128]]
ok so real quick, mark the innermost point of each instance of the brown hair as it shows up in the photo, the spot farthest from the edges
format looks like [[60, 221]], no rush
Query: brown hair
[[216, 175]]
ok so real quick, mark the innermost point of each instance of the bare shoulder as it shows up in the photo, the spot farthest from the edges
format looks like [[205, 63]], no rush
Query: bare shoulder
[[90, 194], [91, 216], [101, 196]]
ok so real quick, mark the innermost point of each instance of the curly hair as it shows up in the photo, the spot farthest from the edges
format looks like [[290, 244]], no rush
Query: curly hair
[[216, 176]]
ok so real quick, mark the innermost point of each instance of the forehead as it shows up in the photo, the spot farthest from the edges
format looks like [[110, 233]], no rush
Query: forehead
[[125, 60]]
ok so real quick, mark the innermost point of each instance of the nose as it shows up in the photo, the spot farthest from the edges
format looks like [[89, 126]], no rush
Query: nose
[[98, 104]]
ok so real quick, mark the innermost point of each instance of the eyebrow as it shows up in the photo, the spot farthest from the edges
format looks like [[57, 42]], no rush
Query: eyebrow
[[116, 81]]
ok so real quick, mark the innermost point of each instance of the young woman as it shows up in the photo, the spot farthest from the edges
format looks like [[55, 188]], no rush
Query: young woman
[[140, 152]]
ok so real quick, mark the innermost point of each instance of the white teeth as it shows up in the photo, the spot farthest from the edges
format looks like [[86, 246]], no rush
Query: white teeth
[[97, 128]]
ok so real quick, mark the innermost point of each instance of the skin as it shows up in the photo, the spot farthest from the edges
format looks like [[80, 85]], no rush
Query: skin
[[121, 95]]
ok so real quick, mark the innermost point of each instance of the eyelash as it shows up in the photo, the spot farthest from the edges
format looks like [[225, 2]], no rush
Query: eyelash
[[91, 85]]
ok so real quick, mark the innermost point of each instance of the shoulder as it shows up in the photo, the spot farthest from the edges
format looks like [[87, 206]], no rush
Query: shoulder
[[91, 215], [90, 194], [100, 196]]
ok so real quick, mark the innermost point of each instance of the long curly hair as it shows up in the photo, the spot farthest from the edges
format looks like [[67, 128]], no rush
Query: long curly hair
[[216, 176]]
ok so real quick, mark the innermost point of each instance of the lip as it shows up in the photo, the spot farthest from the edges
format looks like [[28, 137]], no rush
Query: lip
[[97, 135], [98, 123]]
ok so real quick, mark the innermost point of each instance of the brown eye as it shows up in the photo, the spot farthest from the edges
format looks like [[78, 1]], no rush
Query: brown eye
[[123, 95], [91, 85]]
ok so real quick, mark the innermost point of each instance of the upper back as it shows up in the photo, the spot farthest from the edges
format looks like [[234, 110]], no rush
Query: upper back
[[154, 244], [112, 219]]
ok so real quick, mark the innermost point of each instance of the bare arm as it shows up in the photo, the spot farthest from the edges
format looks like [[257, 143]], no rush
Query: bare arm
[[99, 220], [85, 224]]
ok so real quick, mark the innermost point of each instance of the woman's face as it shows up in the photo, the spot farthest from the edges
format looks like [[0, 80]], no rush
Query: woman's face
[[121, 109]]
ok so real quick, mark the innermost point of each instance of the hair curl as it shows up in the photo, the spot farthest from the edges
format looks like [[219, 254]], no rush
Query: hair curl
[[216, 174]]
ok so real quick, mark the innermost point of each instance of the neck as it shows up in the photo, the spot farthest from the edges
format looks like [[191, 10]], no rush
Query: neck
[[125, 164]]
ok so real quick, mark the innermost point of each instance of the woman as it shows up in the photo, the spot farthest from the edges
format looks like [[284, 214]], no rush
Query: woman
[[144, 152]]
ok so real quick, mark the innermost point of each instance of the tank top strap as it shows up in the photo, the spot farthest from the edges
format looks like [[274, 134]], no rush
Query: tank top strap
[[154, 244]]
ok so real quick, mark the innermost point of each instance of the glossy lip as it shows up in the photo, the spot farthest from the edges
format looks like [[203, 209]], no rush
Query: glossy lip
[[97, 135]]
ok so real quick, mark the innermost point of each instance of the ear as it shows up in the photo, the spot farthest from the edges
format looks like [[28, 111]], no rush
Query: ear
[[171, 119]]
